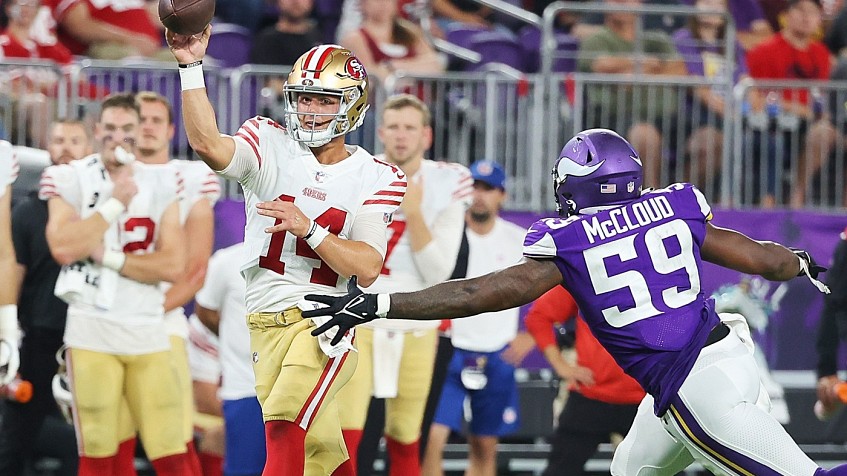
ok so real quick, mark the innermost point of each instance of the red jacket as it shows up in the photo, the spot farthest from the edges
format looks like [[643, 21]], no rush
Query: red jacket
[[611, 384]]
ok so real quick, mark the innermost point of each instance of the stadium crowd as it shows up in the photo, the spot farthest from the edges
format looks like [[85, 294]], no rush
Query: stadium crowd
[[131, 328]]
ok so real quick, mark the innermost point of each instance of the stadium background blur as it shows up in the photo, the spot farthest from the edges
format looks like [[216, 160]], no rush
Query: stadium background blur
[[508, 86]]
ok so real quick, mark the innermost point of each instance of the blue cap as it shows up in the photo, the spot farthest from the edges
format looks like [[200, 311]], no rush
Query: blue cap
[[489, 172]]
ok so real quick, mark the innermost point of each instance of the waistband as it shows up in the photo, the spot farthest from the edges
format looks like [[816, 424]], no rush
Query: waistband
[[264, 320]]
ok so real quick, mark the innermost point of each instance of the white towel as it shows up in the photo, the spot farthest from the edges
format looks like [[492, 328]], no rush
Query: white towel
[[324, 340], [84, 282], [108, 289], [387, 353]]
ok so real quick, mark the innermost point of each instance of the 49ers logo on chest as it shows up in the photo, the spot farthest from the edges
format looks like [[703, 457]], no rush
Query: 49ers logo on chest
[[354, 68]]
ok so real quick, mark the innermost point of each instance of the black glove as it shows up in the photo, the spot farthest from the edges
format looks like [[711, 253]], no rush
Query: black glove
[[347, 311], [814, 268]]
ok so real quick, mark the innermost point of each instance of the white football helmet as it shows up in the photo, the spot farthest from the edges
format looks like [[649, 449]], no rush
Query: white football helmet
[[331, 70], [62, 387]]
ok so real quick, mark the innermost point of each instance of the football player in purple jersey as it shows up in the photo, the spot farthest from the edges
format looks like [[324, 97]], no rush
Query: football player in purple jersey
[[633, 261]]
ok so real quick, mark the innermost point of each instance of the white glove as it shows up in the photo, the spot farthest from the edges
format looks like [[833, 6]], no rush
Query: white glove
[[9, 337]]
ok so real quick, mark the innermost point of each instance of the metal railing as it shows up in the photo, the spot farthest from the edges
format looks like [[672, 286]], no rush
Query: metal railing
[[522, 121], [97, 79], [32, 93]]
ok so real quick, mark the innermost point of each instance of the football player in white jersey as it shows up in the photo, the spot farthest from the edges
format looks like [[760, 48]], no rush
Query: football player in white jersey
[[478, 373], [396, 358], [317, 212], [114, 226], [220, 305], [201, 190], [9, 354]]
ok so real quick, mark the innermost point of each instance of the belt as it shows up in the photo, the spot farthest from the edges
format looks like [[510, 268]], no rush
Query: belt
[[718, 332], [264, 320]]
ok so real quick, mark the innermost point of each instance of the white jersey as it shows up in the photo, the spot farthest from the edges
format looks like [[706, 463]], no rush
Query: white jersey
[[203, 352], [9, 167], [280, 269], [500, 248], [445, 185], [128, 315], [199, 182], [223, 292]]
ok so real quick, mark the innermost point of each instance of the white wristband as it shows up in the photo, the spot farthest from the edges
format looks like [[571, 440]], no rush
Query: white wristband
[[383, 305], [9, 322], [114, 260], [316, 237], [111, 210], [191, 76]]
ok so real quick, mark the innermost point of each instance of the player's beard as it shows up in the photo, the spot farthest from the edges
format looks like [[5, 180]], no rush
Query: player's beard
[[480, 216]]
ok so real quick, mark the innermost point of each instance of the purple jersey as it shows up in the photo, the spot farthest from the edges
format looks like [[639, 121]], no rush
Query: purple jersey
[[635, 273]]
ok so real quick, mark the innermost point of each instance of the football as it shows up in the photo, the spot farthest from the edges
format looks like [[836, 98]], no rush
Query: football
[[186, 17]]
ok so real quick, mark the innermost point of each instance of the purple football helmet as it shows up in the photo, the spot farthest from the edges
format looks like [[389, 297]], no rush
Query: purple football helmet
[[597, 168]]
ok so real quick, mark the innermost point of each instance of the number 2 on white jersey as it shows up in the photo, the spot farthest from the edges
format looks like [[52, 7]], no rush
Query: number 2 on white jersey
[[634, 281]]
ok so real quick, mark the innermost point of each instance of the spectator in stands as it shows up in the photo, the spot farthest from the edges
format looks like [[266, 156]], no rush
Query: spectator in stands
[[451, 14], [794, 54], [387, 43], [652, 21], [138, 18], [702, 45], [30, 90], [611, 51], [351, 16], [293, 33], [751, 25], [478, 370], [247, 13], [76, 21], [836, 35], [603, 400]]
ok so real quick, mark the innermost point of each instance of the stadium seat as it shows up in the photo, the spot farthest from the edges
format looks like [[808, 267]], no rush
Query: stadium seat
[[230, 45], [495, 46], [564, 61]]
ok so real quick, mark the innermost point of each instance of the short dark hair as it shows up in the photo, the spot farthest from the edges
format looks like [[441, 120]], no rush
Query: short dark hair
[[120, 101]]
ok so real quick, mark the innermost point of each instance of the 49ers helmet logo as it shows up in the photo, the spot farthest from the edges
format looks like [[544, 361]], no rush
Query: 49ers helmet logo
[[354, 68]]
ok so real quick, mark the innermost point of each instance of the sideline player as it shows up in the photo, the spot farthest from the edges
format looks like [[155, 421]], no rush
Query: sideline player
[[633, 262], [317, 212], [201, 190], [396, 358], [114, 226], [220, 306], [42, 318], [478, 371], [9, 332]]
